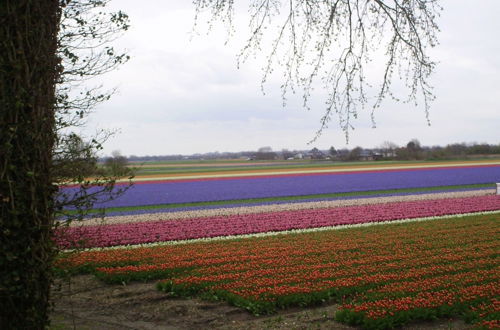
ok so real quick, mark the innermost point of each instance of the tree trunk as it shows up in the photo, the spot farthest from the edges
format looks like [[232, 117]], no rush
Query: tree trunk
[[29, 69]]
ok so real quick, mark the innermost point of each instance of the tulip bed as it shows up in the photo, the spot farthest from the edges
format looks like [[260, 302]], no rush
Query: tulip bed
[[382, 276], [192, 236]]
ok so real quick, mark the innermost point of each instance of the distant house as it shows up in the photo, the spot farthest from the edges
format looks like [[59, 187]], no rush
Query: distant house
[[366, 155]]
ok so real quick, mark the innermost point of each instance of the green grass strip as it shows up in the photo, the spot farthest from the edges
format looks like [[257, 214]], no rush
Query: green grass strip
[[252, 167], [150, 168], [295, 198]]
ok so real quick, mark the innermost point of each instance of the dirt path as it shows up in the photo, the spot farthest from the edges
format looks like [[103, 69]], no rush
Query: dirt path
[[91, 304]]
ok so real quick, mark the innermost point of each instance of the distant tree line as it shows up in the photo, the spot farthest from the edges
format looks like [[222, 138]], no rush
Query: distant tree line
[[451, 151], [413, 150]]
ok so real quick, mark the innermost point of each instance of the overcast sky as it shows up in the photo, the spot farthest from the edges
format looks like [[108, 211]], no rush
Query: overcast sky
[[185, 95]]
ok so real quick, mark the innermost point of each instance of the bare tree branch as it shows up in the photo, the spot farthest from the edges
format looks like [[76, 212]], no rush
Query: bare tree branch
[[333, 42]]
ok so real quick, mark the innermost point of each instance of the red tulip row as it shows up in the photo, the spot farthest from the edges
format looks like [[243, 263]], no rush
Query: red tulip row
[[361, 271]]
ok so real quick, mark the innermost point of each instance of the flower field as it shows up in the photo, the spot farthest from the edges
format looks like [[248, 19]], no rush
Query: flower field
[[237, 188], [382, 276], [172, 230], [400, 254]]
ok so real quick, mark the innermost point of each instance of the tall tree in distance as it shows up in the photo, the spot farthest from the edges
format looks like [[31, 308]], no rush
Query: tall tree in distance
[[335, 41], [29, 70], [333, 152], [414, 149]]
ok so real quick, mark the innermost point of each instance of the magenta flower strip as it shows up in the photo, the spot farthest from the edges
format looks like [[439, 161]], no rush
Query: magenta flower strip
[[159, 231]]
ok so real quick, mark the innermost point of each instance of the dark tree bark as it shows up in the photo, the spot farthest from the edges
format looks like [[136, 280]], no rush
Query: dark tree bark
[[29, 69]]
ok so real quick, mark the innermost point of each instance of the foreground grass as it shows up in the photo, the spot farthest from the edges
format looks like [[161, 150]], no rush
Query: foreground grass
[[383, 276]]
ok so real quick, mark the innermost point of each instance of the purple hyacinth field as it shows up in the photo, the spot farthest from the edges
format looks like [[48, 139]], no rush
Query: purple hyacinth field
[[298, 185]]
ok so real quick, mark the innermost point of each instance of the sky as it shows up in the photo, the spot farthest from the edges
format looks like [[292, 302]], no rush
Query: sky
[[182, 93]]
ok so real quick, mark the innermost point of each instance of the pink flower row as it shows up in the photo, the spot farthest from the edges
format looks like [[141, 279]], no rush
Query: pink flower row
[[182, 229]]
